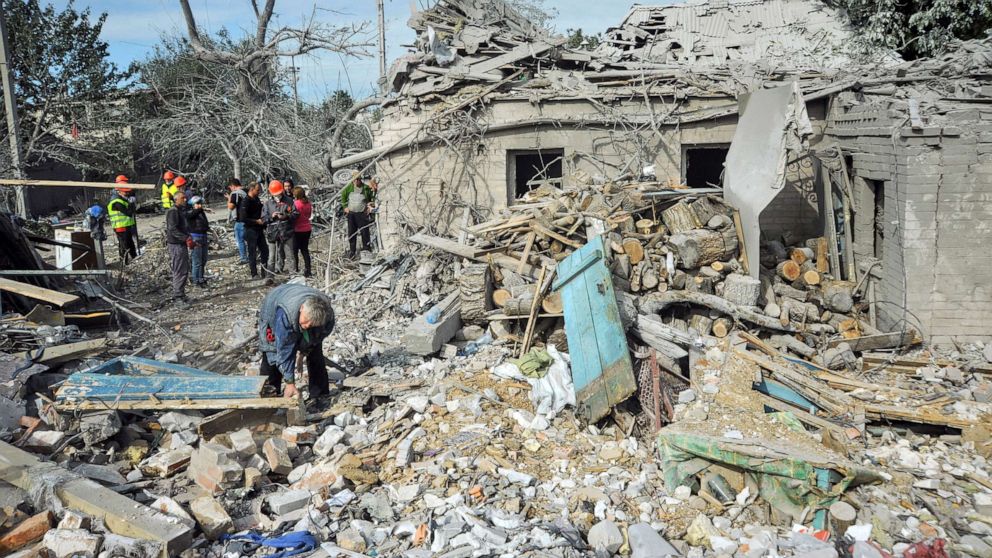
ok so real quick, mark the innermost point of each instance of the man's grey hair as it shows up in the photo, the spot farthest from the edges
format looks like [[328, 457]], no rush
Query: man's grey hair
[[317, 309]]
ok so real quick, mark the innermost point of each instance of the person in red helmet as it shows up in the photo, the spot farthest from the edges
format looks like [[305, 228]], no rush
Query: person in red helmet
[[169, 189], [121, 210], [279, 214]]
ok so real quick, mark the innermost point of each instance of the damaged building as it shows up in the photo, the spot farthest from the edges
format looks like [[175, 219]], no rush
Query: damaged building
[[491, 107]]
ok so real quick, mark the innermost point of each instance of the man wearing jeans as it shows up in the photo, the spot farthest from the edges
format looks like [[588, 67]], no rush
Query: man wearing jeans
[[294, 319], [236, 196]]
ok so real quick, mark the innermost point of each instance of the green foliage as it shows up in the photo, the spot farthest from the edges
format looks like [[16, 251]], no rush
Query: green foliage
[[918, 28], [576, 37], [63, 77]]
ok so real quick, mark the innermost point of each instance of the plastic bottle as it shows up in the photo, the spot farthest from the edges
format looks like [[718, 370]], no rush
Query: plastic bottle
[[433, 315]]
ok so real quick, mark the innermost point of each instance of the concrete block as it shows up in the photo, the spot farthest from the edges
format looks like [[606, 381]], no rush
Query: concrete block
[[645, 542], [423, 338], [277, 455], [215, 468], [213, 519], [325, 443], [287, 501], [172, 508], [167, 463], [75, 520], [253, 478], [300, 434], [72, 543], [243, 443]]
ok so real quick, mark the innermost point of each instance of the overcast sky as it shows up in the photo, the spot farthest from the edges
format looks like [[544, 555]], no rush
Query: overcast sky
[[134, 26]]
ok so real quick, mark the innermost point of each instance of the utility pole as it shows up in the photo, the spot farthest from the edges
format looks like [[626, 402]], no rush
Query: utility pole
[[296, 93], [10, 105], [382, 43]]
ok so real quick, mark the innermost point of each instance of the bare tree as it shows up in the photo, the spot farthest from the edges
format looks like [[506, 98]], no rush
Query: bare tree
[[219, 98]]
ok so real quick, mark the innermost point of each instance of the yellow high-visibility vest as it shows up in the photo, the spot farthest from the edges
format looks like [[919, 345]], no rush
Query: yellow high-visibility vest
[[169, 191], [117, 209]]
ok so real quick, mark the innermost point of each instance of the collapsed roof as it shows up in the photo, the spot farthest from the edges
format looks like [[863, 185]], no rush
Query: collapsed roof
[[461, 42]]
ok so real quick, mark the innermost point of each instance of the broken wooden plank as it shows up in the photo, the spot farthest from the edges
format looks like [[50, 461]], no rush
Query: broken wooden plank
[[881, 341], [121, 515], [236, 419], [526, 50], [804, 416], [833, 401], [38, 293], [60, 354], [180, 405], [98, 386], [72, 184], [923, 415], [908, 365], [508, 263], [53, 272]]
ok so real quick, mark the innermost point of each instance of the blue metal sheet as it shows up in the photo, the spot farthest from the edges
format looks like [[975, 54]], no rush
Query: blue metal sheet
[[787, 394], [145, 367], [601, 368], [138, 379]]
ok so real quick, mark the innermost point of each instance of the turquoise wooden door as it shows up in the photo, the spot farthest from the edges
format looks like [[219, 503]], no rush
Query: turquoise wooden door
[[601, 367]]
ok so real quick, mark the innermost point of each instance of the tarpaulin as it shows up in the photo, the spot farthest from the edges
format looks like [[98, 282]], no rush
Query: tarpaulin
[[790, 480]]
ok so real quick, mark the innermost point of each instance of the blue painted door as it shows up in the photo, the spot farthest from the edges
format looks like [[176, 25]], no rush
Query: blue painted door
[[601, 367]]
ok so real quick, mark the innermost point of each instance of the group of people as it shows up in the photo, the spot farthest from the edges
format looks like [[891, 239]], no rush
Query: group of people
[[265, 230], [293, 319]]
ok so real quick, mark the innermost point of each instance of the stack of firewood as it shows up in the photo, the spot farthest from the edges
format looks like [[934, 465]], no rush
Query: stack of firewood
[[677, 266]]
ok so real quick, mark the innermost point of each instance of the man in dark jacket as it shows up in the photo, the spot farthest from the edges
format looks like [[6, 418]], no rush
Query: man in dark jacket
[[178, 240], [250, 213], [199, 228], [295, 319]]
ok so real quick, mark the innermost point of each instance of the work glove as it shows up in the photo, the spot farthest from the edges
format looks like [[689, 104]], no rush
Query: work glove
[[189, 242]]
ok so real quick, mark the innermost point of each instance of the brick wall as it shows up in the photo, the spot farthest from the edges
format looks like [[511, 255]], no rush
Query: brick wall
[[937, 223]]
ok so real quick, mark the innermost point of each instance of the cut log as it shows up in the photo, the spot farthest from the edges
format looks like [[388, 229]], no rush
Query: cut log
[[663, 300], [791, 343], [722, 327], [788, 270], [720, 222], [474, 287], [798, 312], [660, 337], [649, 279], [842, 516], [635, 278], [772, 310], [632, 247], [701, 284], [621, 266], [552, 304], [700, 247], [644, 226], [838, 296], [519, 306], [791, 292], [558, 338], [742, 290], [811, 277], [700, 323], [801, 255], [822, 255]]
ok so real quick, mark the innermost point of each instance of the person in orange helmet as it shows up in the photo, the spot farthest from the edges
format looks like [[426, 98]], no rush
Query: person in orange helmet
[[169, 189], [122, 209], [279, 213]]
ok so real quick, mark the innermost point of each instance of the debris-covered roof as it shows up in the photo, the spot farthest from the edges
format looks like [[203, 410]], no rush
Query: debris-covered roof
[[808, 32]]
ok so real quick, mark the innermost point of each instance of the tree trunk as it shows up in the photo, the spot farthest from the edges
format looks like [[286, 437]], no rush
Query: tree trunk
[[722, 327], [743, 290], [700, 247], [474, 285], [519, 306]]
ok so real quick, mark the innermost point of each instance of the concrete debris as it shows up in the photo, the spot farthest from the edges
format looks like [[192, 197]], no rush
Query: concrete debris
[[823, 391]]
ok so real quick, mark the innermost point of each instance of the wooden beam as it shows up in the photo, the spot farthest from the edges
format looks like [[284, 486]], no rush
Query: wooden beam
[[52, 272], [922, 415], [64, 353], [880, 341], [236, 419], [37, 293], [508, 263], [804, 416], [186, 405], [71, 184], [122, 515]]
